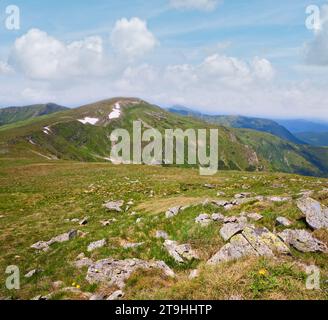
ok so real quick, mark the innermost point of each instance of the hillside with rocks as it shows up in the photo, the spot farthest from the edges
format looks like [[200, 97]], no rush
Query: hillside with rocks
[[103, 232]]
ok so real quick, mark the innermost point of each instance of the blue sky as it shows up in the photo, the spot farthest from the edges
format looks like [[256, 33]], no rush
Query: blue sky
[[233, 57]]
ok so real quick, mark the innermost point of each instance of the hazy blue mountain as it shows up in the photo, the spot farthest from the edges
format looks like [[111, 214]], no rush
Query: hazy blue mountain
[[319, 139], [263, 125], [298, 126]]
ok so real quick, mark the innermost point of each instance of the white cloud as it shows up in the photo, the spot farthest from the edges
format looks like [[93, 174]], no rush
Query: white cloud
[[204, 5], [263, 69], [132, 39], [316, 51], [41, 56], [5, 68]]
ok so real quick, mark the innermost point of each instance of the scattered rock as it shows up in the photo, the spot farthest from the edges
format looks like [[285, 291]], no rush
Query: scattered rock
[[106, 223], [97, 297], [96, 245], [180, 253], [236, 298], [316, 215], [84, 221], [58, 285], [173, 212], [243, 195], [279, 199], [82, 261], [264, 242], [218, 217], [221, 194], [32, 273], [132, 245], [209, 186], [204, 220], [282, 221], [162, 235], [117, 295], [44, 245], [194, 274], [63, 237], [138, 220], [231, 229], [238, 248], [254, 216], [251, 242], [116, 272], [114, 205], [303, 241]]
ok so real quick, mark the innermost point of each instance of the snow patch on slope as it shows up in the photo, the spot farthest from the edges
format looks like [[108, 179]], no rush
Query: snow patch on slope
[[116, 113], [88, 120]]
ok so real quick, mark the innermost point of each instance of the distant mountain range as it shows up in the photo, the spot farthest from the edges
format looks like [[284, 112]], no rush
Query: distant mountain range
[[15, 114], [259, 124], [82, 134]]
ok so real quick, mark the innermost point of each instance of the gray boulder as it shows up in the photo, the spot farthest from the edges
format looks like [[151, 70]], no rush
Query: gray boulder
[[180, 253], [115, 272], [162, 235], [316, 214], [303, 241], [172, 212], [204, 220], [218, 217], [117, 295], [231, 229]]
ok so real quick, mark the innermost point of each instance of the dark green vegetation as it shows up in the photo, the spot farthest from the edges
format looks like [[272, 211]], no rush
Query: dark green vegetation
[[15, 114], [263, 125], [319, 139], [68, 139], [36, 199]]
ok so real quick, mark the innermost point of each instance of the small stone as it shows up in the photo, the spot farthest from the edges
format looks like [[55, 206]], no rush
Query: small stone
[[32, 273], [279, 199], [180, 253], [209, 186], [218, 217], [172, 212], [58, 285], [97, 297], [114, 205], [117, 295], [194, 274], [84, 221], [96, 245], [138, 220], [204, 220], [133, 245], [255, 216], [282, 221], [162, 235]]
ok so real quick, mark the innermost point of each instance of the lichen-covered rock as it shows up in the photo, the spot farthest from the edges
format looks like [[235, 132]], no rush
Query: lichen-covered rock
[[117, 295], [264, 242], [316, 214], [238, 248], [45, 245], [116, 272], [180, 253], [303, 241], [114, 206]]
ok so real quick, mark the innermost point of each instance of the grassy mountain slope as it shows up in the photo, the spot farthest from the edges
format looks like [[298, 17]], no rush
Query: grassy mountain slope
[[319, 139], [241, 122], [68, 139], [15, 114]]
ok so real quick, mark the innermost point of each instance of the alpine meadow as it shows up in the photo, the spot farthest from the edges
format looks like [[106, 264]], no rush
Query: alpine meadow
[[184, 155]]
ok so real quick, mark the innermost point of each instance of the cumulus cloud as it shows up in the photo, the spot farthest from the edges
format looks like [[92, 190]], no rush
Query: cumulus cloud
[[5, 68], [41, 56], [204, 5], [316, 51], [132, 38]]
